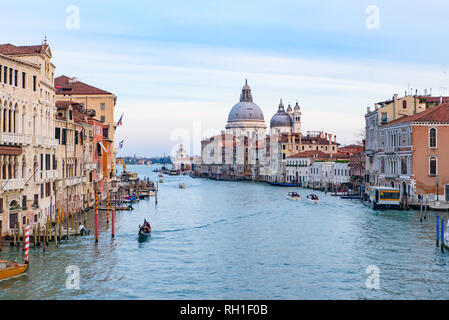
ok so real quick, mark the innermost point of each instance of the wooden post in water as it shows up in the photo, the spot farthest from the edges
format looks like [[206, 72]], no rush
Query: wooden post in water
[[425, 210], [14, 235], [18, 232], [68, 226], [43, 237], [442, 235], [60, 232], [420, 209], [39, 233], [56, 232], [438, 224], [113, 217], [96, 218], [1, 235], [35, 235]]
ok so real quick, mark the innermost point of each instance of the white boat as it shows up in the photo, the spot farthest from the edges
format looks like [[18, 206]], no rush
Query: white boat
[[293, 196], [314, 201]]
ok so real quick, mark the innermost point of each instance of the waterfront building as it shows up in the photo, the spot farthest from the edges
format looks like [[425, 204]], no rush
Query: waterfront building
[[317, 169], [329, 174], [357, 168], [384, 113], [103, 102], [246, 151], [73, 160], [412, 154], [182, 161], [27, 144]]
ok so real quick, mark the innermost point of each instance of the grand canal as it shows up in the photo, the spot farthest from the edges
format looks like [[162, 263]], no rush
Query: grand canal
[[241, 240]]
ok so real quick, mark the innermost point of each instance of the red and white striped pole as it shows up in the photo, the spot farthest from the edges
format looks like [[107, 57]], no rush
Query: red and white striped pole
[[27, 243]]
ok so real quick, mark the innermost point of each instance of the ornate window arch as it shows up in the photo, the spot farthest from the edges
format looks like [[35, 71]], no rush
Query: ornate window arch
[[433, 166], [432, 138]]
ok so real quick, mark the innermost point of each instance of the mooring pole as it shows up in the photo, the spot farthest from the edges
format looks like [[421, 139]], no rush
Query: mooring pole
[[438, 232], [96, 218], [27, 243], [442, 235], [107, 209], [113, 216]]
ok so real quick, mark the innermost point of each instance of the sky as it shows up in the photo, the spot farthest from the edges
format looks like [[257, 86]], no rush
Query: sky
[[177, 67]]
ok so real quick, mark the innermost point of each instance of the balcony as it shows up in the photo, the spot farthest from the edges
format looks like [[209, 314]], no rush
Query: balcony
[[74, 181], [391, 176], [15, 138], [12, 184], [45, 142], [50, 174]]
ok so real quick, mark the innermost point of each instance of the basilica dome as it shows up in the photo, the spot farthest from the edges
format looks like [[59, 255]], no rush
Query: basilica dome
[[281, 118], [246, 110]]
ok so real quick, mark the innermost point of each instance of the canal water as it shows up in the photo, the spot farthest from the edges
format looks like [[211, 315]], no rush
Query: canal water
[[241, 240]]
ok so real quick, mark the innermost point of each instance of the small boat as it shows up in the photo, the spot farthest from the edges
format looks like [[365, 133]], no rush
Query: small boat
[[10, 270], [182, 185], [312, 198], [144, 233], [281, 184], [160, 175], [294, 196], [350, 197], [161, 180]]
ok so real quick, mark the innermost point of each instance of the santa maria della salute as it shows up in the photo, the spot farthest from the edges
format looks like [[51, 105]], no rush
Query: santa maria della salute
[[247, 150]]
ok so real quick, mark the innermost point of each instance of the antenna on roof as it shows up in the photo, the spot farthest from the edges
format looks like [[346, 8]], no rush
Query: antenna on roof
[[45, 41]]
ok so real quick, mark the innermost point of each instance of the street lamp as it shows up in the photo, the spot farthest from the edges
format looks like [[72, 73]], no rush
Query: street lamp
[[437, 181]]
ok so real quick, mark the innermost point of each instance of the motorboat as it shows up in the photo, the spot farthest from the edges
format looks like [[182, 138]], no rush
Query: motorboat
[[161, 180], [10, 270], [294, 196], [182, 185], [313, 198]]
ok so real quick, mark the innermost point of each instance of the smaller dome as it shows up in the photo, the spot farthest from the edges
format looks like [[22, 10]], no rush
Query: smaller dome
[[289, 109], [281, 118]]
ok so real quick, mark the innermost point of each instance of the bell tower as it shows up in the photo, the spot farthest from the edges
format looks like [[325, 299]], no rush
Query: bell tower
[[297, 119]]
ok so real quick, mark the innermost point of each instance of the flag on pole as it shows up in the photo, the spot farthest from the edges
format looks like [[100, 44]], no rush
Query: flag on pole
[[119, 123], [120, 144]]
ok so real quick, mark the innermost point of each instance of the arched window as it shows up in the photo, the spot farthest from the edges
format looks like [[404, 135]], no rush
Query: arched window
[[24, 166], [433, 166], [404, 104], [433, 138]]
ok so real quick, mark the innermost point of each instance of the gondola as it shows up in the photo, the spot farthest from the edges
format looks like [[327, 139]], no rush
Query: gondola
[[143, 232], [144, 235]]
